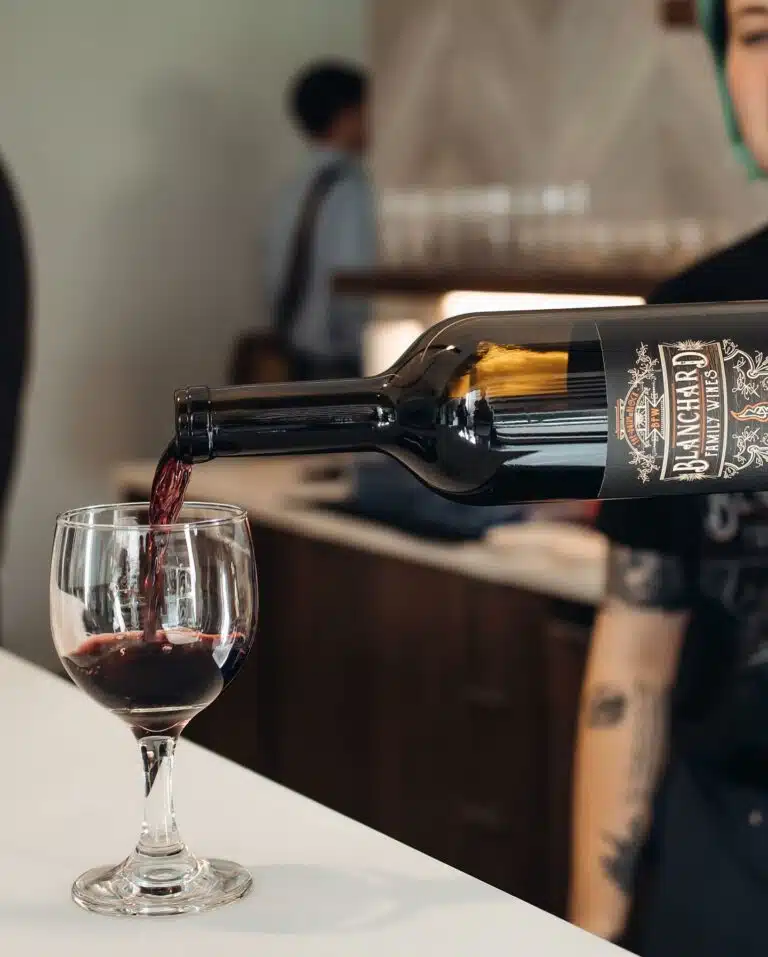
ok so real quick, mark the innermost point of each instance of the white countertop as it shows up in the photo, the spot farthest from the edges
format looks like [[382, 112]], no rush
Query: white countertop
[[324, 885], [557, 559]]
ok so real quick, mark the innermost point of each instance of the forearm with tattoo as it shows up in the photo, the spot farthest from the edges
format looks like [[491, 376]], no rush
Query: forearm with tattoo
[[623, 728], [643, 706]]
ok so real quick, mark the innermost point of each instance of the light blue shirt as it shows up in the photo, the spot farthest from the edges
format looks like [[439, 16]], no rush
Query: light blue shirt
[[327, 326]]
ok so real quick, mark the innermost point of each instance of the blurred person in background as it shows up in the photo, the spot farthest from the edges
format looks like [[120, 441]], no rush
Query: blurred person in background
[[14, 331], [323, 222], [672, 757]]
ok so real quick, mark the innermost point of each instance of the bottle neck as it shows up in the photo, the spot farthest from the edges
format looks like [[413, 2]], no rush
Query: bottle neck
[[277, 418]]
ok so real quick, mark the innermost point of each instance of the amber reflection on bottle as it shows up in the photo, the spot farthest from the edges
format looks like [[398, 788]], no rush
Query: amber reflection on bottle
[[514, 372]]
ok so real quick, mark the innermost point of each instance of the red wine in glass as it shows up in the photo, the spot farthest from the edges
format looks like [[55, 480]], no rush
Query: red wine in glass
[[156, 686], [157, 680]]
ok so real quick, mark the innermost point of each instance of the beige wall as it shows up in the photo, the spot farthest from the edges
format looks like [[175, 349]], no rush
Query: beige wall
[[145, 137], [537, 91]]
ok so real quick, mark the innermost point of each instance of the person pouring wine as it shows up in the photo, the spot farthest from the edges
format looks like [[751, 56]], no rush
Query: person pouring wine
[[672, 757]]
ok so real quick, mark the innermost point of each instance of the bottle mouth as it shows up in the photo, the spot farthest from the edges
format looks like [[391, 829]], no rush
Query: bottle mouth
[[194, 425]]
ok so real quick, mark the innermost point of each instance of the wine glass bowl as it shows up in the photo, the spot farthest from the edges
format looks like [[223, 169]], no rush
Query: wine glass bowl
[[153, 622]]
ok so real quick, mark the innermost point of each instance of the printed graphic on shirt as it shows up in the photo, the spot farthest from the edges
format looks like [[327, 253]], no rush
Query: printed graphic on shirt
[[721, 575], [690, 410], [647, 578], [734, 570]]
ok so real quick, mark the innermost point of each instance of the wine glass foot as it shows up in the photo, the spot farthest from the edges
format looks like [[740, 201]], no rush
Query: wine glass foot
[[159, 890]]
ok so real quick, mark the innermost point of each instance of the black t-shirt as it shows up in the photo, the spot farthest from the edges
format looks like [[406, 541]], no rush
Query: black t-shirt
[[708, 554]]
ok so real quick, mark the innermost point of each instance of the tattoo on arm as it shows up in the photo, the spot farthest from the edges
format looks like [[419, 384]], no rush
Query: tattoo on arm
[[647, 704], [607, 707], [620, 860], [643, 704], [647, 579]]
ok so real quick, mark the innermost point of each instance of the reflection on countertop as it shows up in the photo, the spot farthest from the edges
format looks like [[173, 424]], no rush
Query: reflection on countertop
[[554, 558]]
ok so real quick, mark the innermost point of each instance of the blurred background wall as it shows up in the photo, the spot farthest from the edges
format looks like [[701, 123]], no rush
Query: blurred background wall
[[543, 91], [145, 138]]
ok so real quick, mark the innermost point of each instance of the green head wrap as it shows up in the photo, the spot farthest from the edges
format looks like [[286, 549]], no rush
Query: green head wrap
[[712, 16]]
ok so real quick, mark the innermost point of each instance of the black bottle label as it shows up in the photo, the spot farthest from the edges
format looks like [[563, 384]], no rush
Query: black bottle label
[[690, 408]]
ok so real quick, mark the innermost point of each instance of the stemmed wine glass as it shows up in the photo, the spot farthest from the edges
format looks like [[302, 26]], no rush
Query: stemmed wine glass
[[152, 622]]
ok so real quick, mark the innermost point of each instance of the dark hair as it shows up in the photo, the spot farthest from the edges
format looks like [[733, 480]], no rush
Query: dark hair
[[322, 91], [720, 28]]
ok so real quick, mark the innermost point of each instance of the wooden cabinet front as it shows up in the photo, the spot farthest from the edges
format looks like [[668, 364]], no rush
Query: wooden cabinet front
[[431, 706]]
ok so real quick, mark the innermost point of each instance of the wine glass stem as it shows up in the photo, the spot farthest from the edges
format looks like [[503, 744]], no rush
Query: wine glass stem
[[159, 834]]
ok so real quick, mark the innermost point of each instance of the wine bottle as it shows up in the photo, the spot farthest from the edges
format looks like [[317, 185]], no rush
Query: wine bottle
[[511, 407]]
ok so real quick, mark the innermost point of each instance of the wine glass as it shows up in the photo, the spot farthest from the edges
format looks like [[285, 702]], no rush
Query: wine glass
[[152, 622]]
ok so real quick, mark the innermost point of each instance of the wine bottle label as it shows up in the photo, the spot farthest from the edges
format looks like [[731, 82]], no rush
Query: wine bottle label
[[689, 409]]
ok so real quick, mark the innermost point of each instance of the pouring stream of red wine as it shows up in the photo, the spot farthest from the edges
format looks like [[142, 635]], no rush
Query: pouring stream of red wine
[[165, 501]]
